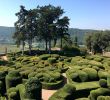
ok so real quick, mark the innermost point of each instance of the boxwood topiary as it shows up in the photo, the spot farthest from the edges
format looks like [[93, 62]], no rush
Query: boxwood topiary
[[103, 83], [13, 94], [44, 56], [75, 77], [22, 91], [12, 79], [52, 60], [98, 92], [108, 81], [92, 73], [52, 85], [33, 89], [65, 93], [102, 74], [83, 76], [103, 98], [2, 78]]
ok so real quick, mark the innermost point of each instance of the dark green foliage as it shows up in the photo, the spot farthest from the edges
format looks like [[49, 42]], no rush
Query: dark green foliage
[[12, 79], [71, 51], [33, 89], [103, 83], [65, 93], [2, 88], [81, 93], [83, 51], [2, 78], [3, 62], [51, 60], [98, 92]]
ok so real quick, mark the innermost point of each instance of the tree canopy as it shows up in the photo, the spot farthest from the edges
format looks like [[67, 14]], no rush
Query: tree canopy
[[97, 42], [43, 22]]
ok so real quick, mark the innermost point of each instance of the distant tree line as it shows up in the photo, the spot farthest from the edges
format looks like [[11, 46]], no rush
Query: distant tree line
[[44, 23], [97, 42]]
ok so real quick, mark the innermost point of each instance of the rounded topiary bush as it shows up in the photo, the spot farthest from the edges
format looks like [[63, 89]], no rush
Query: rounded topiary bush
[[99, 59], [70, 88], [32, 74], [52, 60], [108, 81], [102, 74], [83, 76], [98, 92], [103, 98], [92, 73], [103, 83], [13, 94], [12, 79], [75, 77], [33, 89], [65, 93], [96, 63], [55, 56], [44, 56]]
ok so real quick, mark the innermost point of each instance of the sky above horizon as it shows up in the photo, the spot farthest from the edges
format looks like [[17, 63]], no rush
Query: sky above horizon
[[83, 14]]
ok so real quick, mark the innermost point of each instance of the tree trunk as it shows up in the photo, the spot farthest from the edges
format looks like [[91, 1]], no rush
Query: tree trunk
[[49, 46], [30, 45], [55, 42], [46, 44], [23, 47], [61, 43]]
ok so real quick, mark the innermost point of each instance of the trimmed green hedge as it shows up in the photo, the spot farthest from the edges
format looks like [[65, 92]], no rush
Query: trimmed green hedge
[[92, 73], [98, 92], [13, 94], [103, 83], [103, 98], [52, 60], [102, 74], [22, 91], [65, 93], [2, 78], [33, 89], [83, 76], [44, 56], [12, 79], [108, 81], [54, 85]]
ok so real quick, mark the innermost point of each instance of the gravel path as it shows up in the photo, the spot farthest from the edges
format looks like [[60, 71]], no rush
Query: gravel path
[[4, 58]]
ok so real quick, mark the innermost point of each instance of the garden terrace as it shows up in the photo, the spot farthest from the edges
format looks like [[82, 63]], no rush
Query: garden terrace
[[85, 74]]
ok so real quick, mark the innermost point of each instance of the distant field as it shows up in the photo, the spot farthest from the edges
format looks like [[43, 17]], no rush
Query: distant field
[[10, 48]]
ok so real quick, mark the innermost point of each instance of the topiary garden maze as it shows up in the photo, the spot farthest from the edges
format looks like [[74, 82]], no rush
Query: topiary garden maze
[[24, 77]]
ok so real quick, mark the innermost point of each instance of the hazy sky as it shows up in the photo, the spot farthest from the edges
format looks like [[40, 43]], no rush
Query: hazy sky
[[89, 14]]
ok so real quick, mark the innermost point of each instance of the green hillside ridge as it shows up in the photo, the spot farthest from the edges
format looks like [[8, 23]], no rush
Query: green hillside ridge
[[7, 32]]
